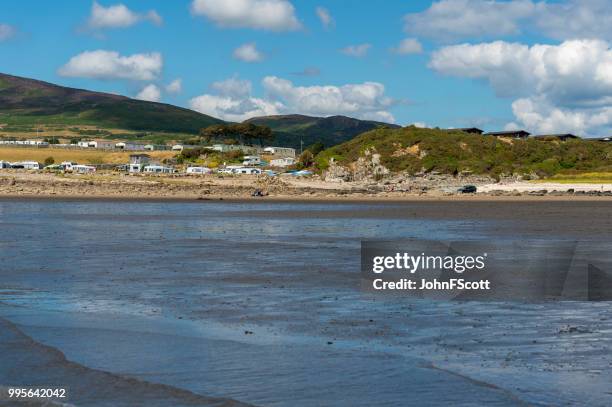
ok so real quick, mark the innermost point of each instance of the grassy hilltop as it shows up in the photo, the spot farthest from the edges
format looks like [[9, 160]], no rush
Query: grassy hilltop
[[289, 130], [449, 151], [25, 103]]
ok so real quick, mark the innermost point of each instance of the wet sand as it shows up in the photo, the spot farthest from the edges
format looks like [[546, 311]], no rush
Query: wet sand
[[260, 302]]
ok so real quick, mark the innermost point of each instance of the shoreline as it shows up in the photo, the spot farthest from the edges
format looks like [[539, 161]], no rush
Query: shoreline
[[116, 187]]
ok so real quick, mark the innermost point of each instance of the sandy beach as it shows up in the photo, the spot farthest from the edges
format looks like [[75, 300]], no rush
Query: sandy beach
[[213, 187]]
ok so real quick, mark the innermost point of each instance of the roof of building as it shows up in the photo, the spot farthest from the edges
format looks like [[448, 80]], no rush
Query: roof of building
[[566, 135], [507, 133], [470, 130]]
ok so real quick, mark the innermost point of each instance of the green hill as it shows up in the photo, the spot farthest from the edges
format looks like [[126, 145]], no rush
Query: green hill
[[289, 130], [28, 102], [414, 150]]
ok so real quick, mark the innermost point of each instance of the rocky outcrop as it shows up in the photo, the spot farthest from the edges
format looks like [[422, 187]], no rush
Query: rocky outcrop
[[337, 173]]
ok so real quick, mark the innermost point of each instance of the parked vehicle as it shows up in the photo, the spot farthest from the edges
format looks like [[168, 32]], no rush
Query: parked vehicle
[[68, 165], [158, 169], [28, 165], [247, 171], [468, 189], [198, 170], [5, 164], [83, 169]]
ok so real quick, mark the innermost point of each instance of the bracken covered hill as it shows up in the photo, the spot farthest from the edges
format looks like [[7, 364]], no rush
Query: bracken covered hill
[[416, 150], [30, 102]]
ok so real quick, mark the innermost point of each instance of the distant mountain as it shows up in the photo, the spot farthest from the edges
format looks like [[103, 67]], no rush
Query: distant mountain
[[30, 102], [290, 129]]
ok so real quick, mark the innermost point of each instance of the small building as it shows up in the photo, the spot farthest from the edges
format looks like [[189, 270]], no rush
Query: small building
[[602, 139], [471, 130], [226, 148], [83, 144], [280, 152], [130, 146], [282, 162], [102, 144], [560, 137], [518, 134]]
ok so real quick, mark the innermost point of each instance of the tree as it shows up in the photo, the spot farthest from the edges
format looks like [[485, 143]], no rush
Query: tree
[[49, 161], [306, 159], [215, 132], [316, 148]]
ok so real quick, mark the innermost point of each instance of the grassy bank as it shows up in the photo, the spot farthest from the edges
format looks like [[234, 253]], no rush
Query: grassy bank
[[414, 150], [13, 154]]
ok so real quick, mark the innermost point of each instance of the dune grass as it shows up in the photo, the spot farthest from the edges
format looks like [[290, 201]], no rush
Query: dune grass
[[583, 178]]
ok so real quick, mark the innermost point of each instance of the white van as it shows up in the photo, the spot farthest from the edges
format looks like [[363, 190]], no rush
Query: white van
[[198, 170], [5, 164]]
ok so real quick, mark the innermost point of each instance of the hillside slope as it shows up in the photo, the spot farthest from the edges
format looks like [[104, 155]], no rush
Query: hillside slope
[[30, 102], [291, 129], [414, 150]]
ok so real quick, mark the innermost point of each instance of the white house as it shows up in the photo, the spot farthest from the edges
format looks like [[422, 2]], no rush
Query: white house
[[102, 144], [83, 144], [251, 160], [280, 151], [226, 148], [130, 146], [282, 162]]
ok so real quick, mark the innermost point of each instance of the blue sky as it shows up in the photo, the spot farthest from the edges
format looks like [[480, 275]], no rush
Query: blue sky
[[493, 64]]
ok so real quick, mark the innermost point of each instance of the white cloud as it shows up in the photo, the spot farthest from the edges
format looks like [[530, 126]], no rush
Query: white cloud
[[409, 46], [365, 100], [232, 100], [7, 32], [248, 53], [358, 51], [175, 87], [118, 16], [274, 15], [150, 93], [575, 19], [565, 86], [103, 64], [454, 20], [325, 17]]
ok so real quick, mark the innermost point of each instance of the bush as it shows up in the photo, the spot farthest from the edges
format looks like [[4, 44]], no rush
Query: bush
[[49, 161]]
